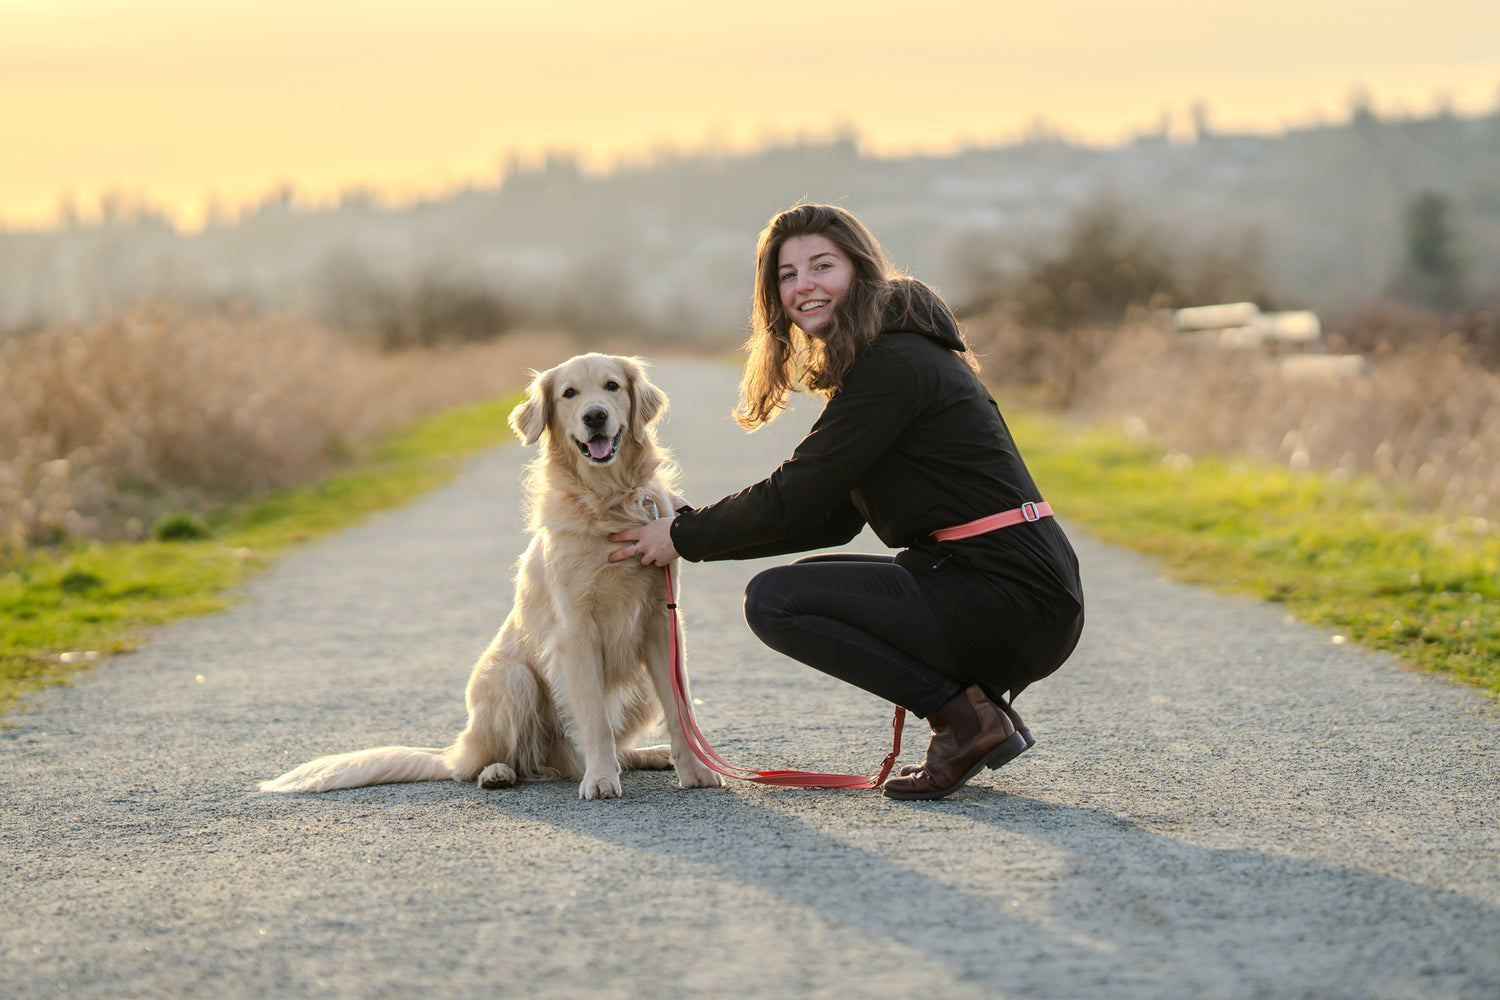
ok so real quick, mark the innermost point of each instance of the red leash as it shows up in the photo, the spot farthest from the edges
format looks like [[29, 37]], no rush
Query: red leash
[[711, 758], [811, 779]]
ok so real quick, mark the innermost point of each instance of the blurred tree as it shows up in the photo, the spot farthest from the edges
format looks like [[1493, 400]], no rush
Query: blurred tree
[[1103, 268], [68, 216], [1077, 297], [1432, 274], [399, 316], [1227, 269], [1202, 124], [1361, 109], [112, 207]]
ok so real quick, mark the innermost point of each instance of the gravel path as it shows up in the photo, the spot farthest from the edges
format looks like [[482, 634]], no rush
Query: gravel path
[[1222, 803]]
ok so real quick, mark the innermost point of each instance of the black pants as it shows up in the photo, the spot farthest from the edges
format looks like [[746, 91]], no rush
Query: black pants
[[861, 619]]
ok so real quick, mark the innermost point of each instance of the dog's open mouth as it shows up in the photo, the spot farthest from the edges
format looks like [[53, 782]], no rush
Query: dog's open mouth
[[599, 448]]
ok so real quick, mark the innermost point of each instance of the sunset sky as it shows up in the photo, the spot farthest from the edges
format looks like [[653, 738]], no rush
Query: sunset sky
[[181, 101]]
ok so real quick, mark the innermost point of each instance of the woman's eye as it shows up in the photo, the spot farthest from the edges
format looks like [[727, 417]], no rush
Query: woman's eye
[[569, 393], [612, 385], [787, 276]]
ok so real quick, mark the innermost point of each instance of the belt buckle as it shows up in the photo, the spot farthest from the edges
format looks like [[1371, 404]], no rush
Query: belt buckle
[[1029, 512]]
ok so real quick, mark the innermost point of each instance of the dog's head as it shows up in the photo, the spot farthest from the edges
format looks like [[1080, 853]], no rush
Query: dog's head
[[588, 405]]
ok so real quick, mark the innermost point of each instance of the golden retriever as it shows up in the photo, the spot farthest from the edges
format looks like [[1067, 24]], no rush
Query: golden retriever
[[581, 667]]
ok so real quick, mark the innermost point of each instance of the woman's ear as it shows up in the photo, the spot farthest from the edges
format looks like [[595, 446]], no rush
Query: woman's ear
[[647, 402], [531, 417]]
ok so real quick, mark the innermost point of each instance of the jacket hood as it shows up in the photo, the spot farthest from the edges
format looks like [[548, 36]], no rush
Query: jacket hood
[[936, 323]]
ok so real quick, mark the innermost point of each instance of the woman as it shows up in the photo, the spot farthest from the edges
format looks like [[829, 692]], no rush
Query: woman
[[910, 442]]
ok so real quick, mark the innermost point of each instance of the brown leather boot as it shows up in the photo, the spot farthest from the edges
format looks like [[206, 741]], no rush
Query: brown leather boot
[[968, 734], [1015, 720]]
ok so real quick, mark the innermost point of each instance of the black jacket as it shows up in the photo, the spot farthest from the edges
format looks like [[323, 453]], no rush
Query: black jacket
[[913, 442]]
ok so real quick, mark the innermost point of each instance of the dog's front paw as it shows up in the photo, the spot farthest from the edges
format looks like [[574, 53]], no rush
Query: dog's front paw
[[497, 776], [599, 786], [693, 773]]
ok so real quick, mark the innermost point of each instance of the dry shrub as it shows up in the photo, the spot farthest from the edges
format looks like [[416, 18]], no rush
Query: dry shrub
[[1386, 325], [1425, 416], [105, 426], [1054, 366], [435, 310]]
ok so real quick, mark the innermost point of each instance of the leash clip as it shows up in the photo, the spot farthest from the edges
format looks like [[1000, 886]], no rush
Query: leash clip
[[1029, 512], [655, 510]]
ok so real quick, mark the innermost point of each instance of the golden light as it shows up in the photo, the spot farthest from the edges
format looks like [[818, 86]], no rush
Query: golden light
[[177, 102]]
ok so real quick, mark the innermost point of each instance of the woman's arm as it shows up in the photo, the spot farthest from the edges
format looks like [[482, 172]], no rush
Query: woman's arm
[[837, 527], [806, 502]]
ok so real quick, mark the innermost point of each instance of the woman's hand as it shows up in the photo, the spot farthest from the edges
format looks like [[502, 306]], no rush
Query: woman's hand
[[652, 541]]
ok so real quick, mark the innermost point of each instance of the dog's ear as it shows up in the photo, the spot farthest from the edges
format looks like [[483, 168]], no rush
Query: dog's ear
[[532, 416], [647, 402]]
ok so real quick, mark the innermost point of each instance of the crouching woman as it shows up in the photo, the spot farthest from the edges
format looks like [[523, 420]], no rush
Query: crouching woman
[[982, 596]]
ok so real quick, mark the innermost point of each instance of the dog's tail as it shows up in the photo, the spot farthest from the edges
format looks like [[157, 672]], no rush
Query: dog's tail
[[380, 766]]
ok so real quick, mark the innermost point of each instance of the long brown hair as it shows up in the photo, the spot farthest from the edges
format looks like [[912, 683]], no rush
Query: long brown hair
[[782, 356]]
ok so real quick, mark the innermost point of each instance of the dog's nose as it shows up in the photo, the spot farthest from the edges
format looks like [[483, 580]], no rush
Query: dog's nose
[[595, 417]]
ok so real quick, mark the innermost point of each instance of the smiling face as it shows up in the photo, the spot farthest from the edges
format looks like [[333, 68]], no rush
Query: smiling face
[[592, 406], [812, 276], [589, 407]]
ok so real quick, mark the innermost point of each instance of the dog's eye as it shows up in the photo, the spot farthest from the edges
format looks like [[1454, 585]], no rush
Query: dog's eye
[[569, 392], [612, 385]]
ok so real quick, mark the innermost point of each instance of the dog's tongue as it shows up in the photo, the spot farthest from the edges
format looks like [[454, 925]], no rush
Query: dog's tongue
[[599, 447]]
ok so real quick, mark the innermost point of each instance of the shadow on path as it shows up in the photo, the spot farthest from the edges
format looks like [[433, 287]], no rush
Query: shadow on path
[[1064, 896]]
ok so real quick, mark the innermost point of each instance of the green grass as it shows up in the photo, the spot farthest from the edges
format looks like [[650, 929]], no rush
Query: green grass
[[1344, 555], [58, 607]]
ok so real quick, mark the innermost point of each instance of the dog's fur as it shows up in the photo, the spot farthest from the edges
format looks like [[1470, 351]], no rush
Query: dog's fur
[[581, 667]]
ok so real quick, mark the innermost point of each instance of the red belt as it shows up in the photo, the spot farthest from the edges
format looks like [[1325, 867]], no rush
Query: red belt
[[1026, 512]]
